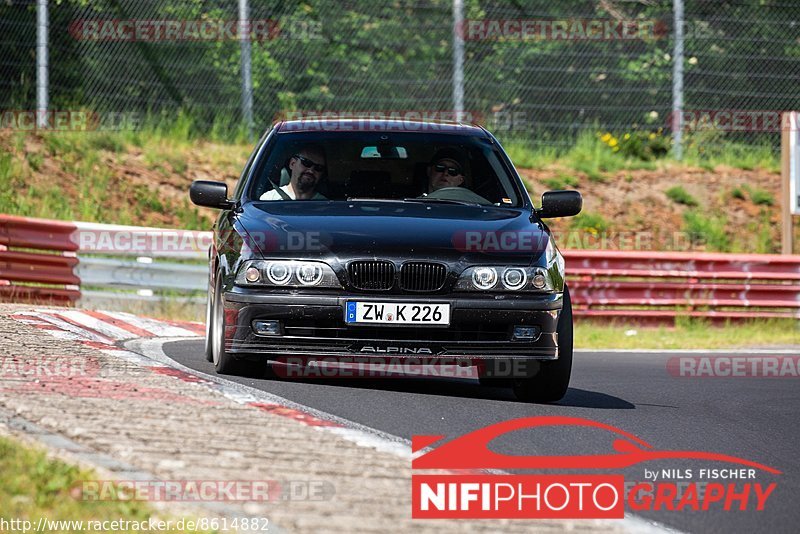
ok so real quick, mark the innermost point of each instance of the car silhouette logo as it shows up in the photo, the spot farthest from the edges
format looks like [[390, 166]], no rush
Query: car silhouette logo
[[471, 451]]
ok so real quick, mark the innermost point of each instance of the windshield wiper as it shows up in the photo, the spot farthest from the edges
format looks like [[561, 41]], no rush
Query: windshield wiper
[[440, 201], [367, 199]]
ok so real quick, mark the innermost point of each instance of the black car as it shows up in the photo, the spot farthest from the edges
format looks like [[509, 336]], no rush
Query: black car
[[400, 239]]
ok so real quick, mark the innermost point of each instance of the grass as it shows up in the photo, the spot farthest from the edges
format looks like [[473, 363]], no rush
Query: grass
[[589, 155], [679, 195], [81, 159], [163, 143], [738, 193], [591, 222], [562, 181], [35, 486], [762, 197], [687, 334], [708, 230], [586, 154], [709, 153]]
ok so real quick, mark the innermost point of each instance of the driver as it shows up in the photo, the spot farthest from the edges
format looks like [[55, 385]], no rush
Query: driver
[[446, 169], [307, 168]]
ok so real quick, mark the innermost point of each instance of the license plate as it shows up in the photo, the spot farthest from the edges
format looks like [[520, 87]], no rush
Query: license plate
[[396, 313]]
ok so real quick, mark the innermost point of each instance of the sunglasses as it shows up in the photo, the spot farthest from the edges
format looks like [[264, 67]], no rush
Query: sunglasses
[[452, 171], [308, 164]]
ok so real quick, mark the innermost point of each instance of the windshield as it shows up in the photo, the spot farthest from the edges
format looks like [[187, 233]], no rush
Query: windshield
[[413, 167]]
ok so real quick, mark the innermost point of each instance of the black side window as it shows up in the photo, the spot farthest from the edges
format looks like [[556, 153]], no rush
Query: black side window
[[237, 192]]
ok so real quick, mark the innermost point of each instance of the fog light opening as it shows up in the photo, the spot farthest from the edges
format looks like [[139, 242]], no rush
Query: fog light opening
[[526, 333], [267, 328]]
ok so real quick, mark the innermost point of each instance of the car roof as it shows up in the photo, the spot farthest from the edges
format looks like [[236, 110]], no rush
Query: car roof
[[323, 124]]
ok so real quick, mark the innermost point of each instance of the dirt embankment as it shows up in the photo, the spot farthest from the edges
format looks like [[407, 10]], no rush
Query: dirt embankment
[[740, 208], [147, 184]]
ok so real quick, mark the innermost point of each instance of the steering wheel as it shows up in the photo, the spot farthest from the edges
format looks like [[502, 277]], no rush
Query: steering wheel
[[458, 193]]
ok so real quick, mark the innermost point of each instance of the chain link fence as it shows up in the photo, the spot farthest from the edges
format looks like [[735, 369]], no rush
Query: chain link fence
[[540, 70]]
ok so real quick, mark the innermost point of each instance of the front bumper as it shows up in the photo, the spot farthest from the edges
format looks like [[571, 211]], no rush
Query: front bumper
[[313, 326]]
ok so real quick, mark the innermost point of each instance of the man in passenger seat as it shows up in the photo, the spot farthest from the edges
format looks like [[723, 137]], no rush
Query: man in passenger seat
[[446, 169]]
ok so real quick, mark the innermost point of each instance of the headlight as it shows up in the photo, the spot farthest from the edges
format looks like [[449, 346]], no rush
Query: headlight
[[514, 278], [310, 274], [286, 273], [278, 273], [511, 279], [484, 277]]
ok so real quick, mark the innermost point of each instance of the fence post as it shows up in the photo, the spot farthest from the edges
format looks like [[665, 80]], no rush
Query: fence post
[[247, 80], [458, 59], [790, 161], [42, 35], [677, 81]]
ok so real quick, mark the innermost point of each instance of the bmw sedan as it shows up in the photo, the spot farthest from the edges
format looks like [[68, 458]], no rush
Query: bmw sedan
[[397, 239]]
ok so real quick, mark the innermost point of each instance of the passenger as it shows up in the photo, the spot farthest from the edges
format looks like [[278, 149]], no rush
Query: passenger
[[446, 169]]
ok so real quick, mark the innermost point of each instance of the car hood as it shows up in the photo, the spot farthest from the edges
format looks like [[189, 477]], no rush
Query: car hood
[[399, 230]]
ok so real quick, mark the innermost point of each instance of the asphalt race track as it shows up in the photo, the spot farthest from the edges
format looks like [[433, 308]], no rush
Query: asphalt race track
[[750, 418]]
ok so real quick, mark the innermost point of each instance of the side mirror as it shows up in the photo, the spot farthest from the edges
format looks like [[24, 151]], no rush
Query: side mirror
[[210, 194], [560, 204]]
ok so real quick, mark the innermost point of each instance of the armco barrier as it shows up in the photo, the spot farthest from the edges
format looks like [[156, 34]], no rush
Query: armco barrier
[[645, 286], [659, 286], [115, 263], [51, 263]]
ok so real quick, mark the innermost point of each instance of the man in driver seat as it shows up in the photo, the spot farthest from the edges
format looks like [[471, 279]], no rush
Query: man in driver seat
[[446, 169], [307, 168]]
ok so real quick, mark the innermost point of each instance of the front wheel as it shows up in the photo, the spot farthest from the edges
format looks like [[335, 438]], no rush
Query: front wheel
[[208, 351], [224, 362], [550, 384]]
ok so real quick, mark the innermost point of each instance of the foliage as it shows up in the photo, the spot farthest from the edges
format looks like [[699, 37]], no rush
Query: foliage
[[397, 55], [35, 485], [738, 193], [761, 197], [708, 230], [593, 223], [645, 146], [679, 195], [709, 150], [562, 181]]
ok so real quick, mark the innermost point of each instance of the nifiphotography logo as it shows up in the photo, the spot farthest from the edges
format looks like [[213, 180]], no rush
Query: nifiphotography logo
[[465, 492]]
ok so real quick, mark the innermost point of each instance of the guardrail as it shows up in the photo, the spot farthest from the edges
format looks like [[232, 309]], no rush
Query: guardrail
[[659, 286], [99, 263]]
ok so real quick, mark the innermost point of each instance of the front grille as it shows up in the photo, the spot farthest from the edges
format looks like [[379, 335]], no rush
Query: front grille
[[422, 276], [371, 275]]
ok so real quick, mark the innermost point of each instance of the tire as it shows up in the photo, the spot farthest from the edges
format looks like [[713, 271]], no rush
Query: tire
[[550, 384], [224, 362], [209, 326]]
